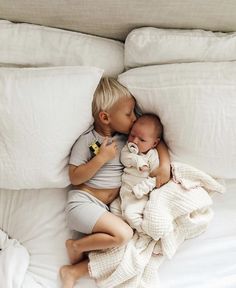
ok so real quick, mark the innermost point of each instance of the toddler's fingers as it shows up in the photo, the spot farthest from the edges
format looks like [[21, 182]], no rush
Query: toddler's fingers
[[152, 174], [105, 141], [114, 144], [158, 182]]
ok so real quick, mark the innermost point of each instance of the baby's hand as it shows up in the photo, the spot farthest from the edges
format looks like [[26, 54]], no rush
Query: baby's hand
[[144, 168], [107, 150]]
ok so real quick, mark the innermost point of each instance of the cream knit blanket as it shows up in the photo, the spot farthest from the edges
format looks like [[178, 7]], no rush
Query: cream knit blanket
[[179, 210]]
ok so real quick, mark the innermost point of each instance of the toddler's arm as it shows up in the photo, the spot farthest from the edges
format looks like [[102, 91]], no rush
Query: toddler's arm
[[84, 172], [162, 172]]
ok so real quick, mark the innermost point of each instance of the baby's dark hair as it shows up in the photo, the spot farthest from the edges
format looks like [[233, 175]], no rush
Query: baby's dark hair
[[155, 120]]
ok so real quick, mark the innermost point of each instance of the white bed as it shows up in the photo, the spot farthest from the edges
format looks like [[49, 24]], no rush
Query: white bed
[[183, 73], [207, 261]]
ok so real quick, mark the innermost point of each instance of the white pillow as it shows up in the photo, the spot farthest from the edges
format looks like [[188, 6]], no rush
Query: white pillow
[[42, 112], [150, 46], [36, 46], [197, 106]]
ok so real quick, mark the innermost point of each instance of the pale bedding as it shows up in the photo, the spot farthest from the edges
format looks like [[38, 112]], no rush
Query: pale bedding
[[115, 19], [209, 260], [56, 47], [36, 219], [206, 261]]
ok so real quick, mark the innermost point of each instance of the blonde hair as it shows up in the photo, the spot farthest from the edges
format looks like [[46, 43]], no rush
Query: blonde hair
[[108, 92]]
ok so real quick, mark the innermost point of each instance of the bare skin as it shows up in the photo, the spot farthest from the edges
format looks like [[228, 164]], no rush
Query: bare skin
[[105, 235], [73, 254], [71, 273], [104, 195]]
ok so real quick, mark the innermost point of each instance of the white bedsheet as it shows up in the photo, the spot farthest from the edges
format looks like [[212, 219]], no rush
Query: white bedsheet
[[36, 219]]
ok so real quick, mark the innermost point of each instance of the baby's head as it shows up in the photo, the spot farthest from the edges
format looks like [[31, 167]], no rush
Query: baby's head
[[146, 132], [113, 106]]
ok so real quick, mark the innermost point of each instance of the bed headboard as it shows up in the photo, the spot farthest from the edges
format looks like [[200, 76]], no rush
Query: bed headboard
[[115, 19]]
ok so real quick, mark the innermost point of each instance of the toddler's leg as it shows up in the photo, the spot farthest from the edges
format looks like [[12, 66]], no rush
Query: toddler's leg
[[109, 231], [73, 254], [71, 273]]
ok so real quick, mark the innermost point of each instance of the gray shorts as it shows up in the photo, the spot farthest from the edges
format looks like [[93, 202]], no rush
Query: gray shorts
[[83, 211]]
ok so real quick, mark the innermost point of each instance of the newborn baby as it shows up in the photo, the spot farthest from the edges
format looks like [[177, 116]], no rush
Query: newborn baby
[[140, 157]]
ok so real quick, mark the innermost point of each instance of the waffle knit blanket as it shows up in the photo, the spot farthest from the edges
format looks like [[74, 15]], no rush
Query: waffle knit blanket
[[179, 210]]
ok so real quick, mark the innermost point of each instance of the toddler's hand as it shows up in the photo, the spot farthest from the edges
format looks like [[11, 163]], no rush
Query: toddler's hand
[[108, 150], [162, 175]]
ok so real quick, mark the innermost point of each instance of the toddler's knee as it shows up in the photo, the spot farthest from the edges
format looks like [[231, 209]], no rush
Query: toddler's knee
[[129, 234], [124, 236]]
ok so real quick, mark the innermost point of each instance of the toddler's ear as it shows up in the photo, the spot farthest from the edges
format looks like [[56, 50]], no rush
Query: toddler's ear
[[103, 117]]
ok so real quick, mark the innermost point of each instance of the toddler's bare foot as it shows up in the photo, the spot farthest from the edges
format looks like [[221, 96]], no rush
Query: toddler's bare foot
[[73, 253], [67, 276]]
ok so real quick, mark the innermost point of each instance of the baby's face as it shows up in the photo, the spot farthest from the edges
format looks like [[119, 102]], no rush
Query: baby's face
[[143, 135]]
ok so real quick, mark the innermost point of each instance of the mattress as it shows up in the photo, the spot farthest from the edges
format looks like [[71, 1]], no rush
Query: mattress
[[34, 230]]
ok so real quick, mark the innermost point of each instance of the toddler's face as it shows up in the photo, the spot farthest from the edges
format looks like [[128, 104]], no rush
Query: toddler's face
[[122, 115], [143, 136]]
